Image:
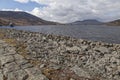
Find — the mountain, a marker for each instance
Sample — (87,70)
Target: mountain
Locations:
(114,23)
(21,19)
(87,22)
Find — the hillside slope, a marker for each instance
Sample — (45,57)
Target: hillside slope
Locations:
(115,22)
(87,22)
(21,19)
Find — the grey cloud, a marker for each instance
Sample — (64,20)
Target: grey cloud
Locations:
(72,10)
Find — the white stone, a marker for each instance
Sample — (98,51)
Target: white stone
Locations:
(80,72)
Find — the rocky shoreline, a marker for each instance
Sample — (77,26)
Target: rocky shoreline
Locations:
(28,55)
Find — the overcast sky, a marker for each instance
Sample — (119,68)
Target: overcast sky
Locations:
(66,10)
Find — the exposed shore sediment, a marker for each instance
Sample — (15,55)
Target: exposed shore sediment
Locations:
(28,55)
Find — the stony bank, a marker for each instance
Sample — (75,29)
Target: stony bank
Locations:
(28,55)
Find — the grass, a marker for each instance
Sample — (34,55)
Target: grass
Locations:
(34,62)
(50,73)
(2,35)
(10,41)
(21,48)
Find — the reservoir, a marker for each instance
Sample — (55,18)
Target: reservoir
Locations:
(109,34)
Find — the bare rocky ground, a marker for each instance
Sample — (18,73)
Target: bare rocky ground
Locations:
(35,56)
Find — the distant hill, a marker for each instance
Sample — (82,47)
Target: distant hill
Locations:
(21,19)
(114,23)
(87,22)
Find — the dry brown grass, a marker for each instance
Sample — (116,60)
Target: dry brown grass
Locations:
(34,62)
(10,41)
(63,74)
(1,35)
(21,48)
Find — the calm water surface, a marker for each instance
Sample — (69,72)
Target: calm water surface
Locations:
(110,34)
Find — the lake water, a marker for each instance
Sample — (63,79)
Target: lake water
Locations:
(110,34)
